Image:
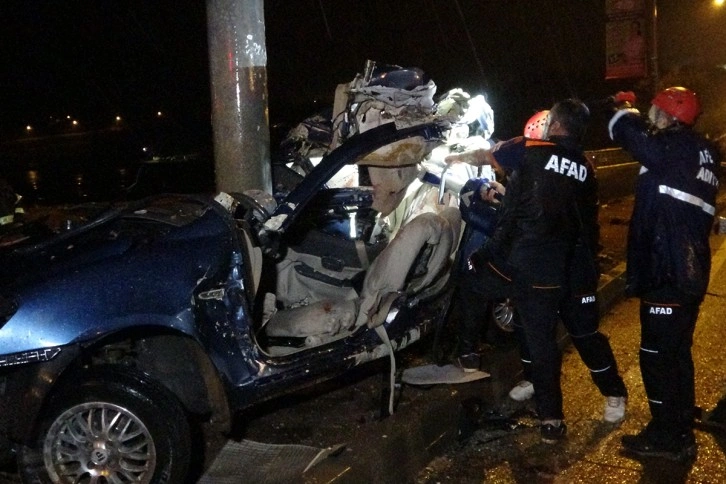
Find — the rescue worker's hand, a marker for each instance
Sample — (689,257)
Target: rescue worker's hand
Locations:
(476,262)
(497,145)
(493,192)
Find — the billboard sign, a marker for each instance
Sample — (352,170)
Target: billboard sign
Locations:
(626,47)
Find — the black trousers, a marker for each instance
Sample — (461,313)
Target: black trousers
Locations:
(574,302)
(473,320)
(475,293)
(666,363)
(580,317)
(538,310)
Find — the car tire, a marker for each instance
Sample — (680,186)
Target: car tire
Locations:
(109,421)
(502,313)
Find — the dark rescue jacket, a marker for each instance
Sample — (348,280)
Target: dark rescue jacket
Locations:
(550,206)
(675,204)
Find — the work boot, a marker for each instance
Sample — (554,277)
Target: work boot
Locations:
(469,363)
(679,449)
(524,390)
(552,431)
(614,409)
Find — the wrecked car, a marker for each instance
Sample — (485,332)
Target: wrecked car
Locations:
(124,337)
(379,94)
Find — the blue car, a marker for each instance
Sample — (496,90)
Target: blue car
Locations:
(156,320)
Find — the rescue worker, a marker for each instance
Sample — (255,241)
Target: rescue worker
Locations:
(524,390)
(545,246)
(668,258)
(580,316)
(479,200)
(479,211)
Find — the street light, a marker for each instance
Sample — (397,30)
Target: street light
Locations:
(656,73)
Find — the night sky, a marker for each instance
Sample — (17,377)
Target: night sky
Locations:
(95,59)
(522,59)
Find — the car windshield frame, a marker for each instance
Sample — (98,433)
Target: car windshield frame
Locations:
(350,153)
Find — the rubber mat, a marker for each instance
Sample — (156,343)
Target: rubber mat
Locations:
(434,374)
(247,461)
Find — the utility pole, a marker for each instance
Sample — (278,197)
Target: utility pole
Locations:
(238,72)
(654,47)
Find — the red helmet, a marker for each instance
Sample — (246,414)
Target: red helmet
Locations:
(679,102)
(534,129)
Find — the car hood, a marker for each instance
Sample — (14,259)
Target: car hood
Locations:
(118,230)
(132,265)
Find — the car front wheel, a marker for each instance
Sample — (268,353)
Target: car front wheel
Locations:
(113,426)
(503,315)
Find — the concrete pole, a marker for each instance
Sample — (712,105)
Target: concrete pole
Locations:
(240,120)
(654,48)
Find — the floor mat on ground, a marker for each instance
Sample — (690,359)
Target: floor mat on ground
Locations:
(434,374)
(248,461)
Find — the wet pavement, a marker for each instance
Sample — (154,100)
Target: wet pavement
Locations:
(591,453)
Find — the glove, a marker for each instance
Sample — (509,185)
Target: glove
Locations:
(477,262)
(486,260)
(624,99)
(493,278)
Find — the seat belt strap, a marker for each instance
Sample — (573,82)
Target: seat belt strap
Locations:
(381,330)
(360,248)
